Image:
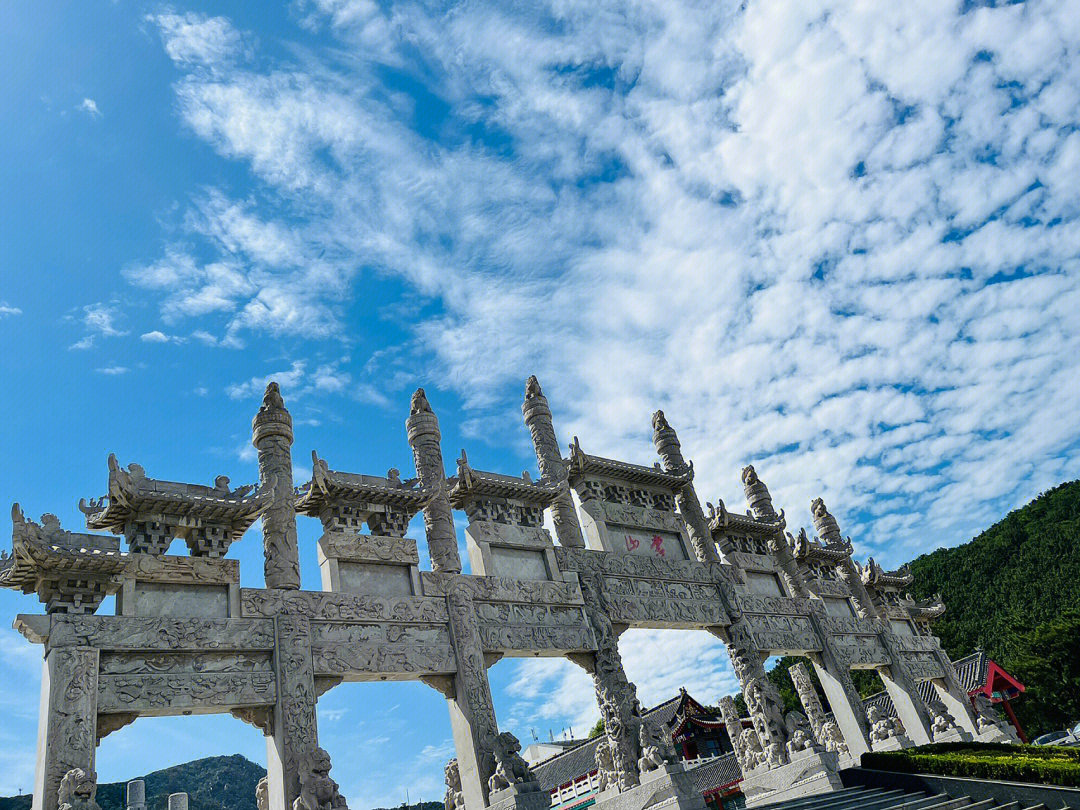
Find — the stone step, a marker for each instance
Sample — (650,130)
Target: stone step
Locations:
(884,802)
(923,803)
(985,804)
(881,799)
(950,803)
(818,799)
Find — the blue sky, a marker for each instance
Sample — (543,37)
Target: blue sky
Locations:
(836,240)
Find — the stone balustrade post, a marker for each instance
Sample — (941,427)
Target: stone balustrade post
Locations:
(136,795)
(178,801)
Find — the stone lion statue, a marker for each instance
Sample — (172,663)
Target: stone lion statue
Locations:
(77,790)
(510,768)
(317,790)
(262,795)
(655,745)
(832,738)
(986,717)
(800,736)
(453,800)
(882,727)
(941,722)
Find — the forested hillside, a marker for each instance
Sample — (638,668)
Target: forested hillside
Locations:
(1015,590)
(213,783)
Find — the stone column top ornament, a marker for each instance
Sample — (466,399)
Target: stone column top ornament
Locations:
(424,435)
(272,418)
(669,449)
(272,436)
(553,467)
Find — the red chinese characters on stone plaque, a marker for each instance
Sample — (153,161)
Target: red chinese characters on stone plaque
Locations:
(658,544)
(632,543)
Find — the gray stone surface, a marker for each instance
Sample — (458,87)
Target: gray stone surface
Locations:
(812,772)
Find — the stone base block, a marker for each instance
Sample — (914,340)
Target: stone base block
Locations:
(667,788)
(954,735)
(815,772)
(997,735)
(893,743)
(525,796)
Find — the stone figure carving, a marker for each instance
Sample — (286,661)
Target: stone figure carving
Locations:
(808,696)
(882,727)
(317,790)
(800,735)
(656,747)
(941,722)
(832,738)
(764,707)
(753,756)
(453,800)
(78,789)
(262,795)
(605,765)
(510,768)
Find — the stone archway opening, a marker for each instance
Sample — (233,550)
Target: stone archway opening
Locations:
(389,742)
(211,757)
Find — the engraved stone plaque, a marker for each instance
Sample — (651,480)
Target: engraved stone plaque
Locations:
(374,578)
(196,601)
(649,543)
(519,563)
(838,606)
(764,582)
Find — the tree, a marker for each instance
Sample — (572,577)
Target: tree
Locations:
(1047,661)
(597,729)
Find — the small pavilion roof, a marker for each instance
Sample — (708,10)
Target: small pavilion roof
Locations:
(131,493)
(471,484)
(327,486)
(809,550)
(721,521)
(38,548)
(582,465)
(874,575)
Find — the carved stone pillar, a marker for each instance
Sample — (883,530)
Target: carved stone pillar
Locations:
(808,696)
(552,467)
(136,795)
(847,707)
(829,531)
(178,801)
(295,734)
(906,699)
(272,435)
(472,713)
(732,724)
(616,696)
(424,437)
(67,724)
(760,502)
(670,451)
(763,701)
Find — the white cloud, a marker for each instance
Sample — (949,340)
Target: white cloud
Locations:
(837,242)
(90,107)
(7,310)
(194,39)
(113,371)
(154,337)
(289,380)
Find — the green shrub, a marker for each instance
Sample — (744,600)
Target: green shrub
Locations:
(1041,764)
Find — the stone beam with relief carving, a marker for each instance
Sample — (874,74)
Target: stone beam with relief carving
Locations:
(381,651)
(149,634)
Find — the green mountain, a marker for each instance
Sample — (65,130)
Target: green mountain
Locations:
(214,783)
(1014,590)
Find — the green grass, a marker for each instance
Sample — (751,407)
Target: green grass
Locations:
(1039,764)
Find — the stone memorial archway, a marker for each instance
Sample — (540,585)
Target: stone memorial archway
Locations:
(643,553)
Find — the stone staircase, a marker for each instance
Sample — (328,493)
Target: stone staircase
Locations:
(860,798)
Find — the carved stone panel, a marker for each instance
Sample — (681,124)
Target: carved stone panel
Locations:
(543,629)
(922,666)
(184,692)
(138,633)
(319,605)
(788,635)
(69,736)
(860,652)
(362,652)
(502,589)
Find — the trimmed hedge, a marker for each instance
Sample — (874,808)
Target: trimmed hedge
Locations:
(1039,764)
